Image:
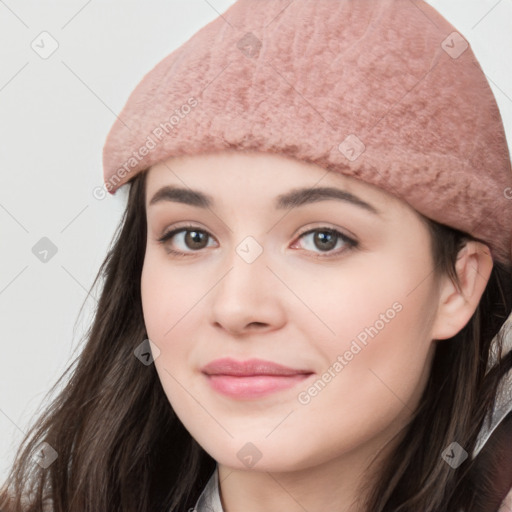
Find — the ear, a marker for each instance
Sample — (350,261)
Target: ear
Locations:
(457,305)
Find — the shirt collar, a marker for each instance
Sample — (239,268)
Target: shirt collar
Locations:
(209,499)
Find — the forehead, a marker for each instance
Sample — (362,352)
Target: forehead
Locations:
(262,175)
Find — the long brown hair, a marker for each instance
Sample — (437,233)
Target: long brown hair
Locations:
(121,447)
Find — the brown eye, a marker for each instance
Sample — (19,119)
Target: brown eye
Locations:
(184,241)
(195,239)
(324,240)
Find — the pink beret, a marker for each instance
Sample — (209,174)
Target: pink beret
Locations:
(385,91)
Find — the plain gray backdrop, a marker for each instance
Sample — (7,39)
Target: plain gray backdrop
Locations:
(55,113)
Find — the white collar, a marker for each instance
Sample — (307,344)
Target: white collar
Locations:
(209,500)
(502,407)
(503,402)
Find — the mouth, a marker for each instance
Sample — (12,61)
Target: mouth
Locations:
(251,379)
(254,386)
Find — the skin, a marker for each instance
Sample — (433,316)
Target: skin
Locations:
(293,307)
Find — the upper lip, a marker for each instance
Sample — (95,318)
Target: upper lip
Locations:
(228,366)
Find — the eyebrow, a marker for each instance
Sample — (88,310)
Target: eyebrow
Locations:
(292,199)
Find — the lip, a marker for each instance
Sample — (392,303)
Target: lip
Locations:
(253,378)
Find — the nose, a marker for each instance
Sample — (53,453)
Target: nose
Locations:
(248,298)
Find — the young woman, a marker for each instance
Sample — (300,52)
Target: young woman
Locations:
(304,306)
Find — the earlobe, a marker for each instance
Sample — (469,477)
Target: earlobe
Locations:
(458,303)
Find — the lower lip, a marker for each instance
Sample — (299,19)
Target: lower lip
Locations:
(253,386)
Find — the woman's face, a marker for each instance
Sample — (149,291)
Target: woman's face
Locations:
(291,264)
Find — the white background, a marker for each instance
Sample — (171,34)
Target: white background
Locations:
(54,116)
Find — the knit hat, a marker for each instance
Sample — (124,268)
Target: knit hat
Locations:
(385,91)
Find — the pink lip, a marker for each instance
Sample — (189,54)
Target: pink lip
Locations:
(251,379)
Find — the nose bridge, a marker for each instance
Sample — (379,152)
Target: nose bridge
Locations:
(245,294)
(248,274)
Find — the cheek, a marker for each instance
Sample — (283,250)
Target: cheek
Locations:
(164,302)
(377,357)
(171,303)
(382,297)
(166,296)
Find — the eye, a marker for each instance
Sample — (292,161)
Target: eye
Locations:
(186,237)
(327,239)
(192,239)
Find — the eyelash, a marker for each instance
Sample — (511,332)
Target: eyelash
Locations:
(350,242)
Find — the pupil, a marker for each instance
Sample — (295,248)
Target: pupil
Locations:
(194,237)
(324,236)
